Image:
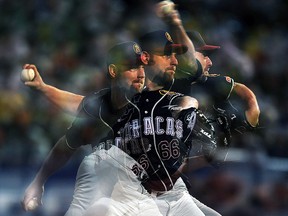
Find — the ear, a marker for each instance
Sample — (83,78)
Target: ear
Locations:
(145,57)
(112,69)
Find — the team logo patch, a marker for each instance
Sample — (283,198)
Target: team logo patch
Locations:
(136,48)
(190,119)
(228,79)
(168,37)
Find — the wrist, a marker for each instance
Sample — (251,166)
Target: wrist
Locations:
(44,88)
(252,123)
(38,180)
(175,24)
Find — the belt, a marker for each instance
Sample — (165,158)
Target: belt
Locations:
(156,193)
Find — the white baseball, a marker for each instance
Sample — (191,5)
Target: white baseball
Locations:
(27,75)
(167,8)
(32,204)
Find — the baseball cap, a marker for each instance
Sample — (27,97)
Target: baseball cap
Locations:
(127,54)
(199,42)
(160,43)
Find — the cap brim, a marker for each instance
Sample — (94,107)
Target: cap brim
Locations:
(177,48)
(207,47)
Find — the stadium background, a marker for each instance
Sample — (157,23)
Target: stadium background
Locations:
(67,40)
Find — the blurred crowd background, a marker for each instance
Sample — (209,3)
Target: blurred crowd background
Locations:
(67,40)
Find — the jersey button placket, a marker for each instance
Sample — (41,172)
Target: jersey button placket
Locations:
(147,101)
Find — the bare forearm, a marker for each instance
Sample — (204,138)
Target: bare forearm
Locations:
(252,110)
(179,35)
(57,158)
(187,62)
(67,101)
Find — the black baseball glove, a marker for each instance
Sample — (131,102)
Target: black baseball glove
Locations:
(231,122)
(198,133)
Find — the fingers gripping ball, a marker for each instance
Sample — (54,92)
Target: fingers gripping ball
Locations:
(27,75)
(32,204)
(165,8)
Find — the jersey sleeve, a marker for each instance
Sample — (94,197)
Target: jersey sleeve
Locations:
(220,87)
(183,85)
(82,129)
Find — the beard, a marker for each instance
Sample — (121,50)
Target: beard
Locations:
(163,79)
(134,89)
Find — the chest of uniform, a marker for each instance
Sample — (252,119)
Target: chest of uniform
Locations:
(149,116)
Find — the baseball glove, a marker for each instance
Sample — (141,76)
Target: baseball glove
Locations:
(232,122)
(203,136)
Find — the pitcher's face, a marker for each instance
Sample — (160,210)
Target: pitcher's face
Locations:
(132,79)
(162,69)
(205,62)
